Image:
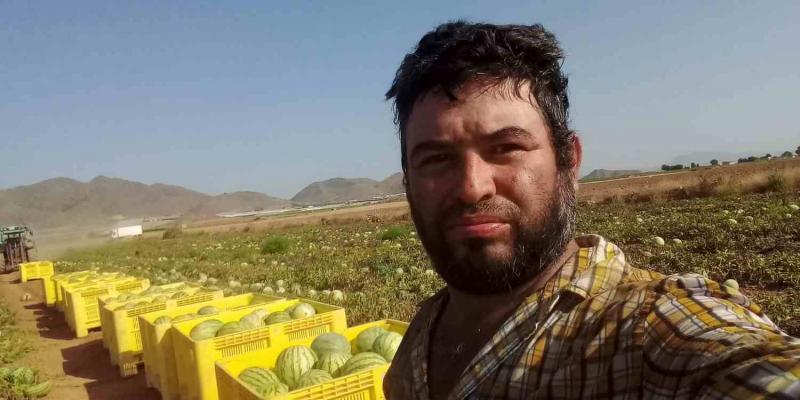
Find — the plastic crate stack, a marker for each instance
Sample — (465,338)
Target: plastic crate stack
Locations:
(137,328)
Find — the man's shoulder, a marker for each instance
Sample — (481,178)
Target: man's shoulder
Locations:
(670,299)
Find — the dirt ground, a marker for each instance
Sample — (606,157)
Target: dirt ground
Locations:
(79,368)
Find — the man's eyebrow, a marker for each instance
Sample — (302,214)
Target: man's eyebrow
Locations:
(430,145)
(507,132)
(500,134)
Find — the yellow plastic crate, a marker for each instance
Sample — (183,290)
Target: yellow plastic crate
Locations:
(195,359)
(362,385)
(52,287)
(85,278)
(106,316)
(35,270)
(82,282)
(82,311)
(157,345)
(123,329)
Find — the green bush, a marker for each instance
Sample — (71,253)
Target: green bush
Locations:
(394,232)
(275,244)
(776,183)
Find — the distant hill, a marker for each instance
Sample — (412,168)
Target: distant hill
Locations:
(609,174)
(340,190)
(64,201)
(393,184)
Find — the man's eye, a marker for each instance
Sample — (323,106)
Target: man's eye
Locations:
(505,148)
(435,159)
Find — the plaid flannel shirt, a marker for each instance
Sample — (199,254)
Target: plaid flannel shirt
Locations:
(604,329)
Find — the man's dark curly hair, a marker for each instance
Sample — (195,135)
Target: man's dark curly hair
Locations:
(457,52)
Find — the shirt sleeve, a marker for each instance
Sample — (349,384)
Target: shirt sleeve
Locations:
(703,340)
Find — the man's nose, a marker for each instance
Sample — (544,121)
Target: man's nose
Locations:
(476,181)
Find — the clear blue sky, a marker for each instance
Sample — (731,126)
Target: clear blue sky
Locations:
(221,96)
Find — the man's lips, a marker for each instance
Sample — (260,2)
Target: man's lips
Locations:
(478,226)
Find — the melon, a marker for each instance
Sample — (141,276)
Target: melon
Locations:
(160,298)
(272,389)
(313,377)
(276,317)
(366,338)
(206,329)
(255,377)
(208,310)
(183,317)
(23,376)
(179,295)
(293,362)
(262,313)
(302,310)
(362,362)
(332,362)
(252,321)
(230,328)
(162,320)
(330,342)
(38,390)
(387,344)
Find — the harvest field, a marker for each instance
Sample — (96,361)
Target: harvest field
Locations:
(379,270)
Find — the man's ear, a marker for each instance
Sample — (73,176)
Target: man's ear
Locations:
(577,158)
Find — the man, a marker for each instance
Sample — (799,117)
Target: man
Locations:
(530,311)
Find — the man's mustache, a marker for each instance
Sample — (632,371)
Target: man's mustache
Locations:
(491,208)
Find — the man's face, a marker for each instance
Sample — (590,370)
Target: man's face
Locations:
(491,207)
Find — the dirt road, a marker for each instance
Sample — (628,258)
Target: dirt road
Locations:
(79,368)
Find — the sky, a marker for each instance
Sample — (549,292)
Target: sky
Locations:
(272,95)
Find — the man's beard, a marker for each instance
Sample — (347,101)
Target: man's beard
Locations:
(539,240)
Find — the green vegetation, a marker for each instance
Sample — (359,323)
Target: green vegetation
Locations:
(381,271)
(395,232)
(16,382)
(12,342)
(275,244)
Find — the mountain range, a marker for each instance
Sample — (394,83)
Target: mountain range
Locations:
(339,190)
(67,202)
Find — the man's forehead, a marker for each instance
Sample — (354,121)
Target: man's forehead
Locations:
(474,108)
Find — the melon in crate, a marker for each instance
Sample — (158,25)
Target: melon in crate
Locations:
(361,362)
(365,339)
(332,362)
(387,344)
(313,377)
(206,329)
(293,362)
(330,342)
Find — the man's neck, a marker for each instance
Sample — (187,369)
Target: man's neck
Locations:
(471,308)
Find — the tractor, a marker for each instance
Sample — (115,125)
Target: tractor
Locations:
(16,243)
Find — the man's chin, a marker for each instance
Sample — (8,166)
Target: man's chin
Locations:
(483,255)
